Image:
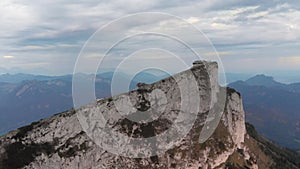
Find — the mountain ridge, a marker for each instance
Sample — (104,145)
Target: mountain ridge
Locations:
(22,95)
(62,142)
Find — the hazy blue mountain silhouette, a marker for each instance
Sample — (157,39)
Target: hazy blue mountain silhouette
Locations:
(17,78)
(25,98)
(263,80)
(273,108)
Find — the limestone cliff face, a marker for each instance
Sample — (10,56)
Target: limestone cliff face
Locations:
(66,140)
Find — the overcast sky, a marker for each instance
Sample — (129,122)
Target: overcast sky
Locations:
(254,36)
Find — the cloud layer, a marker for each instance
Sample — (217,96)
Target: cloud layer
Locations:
(46,37)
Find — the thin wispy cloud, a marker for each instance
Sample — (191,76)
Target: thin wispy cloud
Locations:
(8,57)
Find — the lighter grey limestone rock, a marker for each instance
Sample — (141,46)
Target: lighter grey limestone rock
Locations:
(71,148)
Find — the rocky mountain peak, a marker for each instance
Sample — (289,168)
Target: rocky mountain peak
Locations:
(183,121)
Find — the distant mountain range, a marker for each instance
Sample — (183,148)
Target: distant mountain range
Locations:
(283,77)
(17,78)
(273,108)
(25,98)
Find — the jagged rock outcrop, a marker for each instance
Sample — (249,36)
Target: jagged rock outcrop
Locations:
(68,140)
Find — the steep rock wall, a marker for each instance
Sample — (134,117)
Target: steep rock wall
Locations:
(64,140)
